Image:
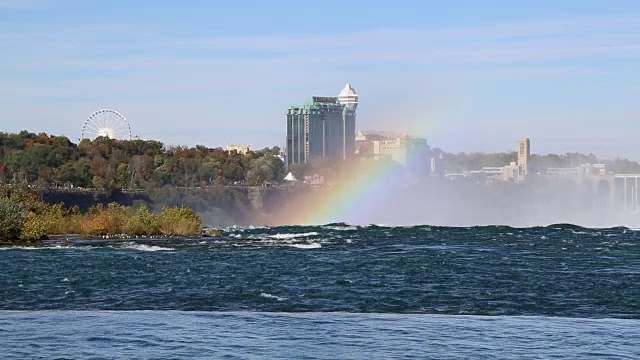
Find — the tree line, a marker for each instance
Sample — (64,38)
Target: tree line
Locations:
(107,164)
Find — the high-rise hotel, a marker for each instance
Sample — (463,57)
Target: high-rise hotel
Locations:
(323,127)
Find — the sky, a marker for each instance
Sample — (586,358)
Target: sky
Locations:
(467,75)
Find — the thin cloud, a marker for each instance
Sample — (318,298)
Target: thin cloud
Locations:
(451,56)
(117,47)
(548,30)
(27,4)
(55,75)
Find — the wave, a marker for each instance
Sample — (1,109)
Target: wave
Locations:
(287,236)
(132,246)
(56,247)
(306,246)
(343,234)
(340,227)
(143,247)
(274,297)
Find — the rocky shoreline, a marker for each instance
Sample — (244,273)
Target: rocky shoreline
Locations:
(45,241)
(22,243)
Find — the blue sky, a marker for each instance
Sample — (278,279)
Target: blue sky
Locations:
(468,75)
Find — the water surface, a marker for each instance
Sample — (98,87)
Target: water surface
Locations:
(334,291)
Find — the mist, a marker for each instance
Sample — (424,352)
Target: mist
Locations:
(517,205)
(440,201)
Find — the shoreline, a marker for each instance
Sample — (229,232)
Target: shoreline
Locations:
(53,239)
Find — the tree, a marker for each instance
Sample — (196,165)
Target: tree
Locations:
(122,178)
(16,208)
(260,171)
(141,169)
(12,217)
(76,173)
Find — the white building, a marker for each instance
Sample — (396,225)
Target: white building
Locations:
(348,97)
(524,155)
(511,172)
(580,171)
(240,149)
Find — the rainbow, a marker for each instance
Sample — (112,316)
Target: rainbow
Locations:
(352,198)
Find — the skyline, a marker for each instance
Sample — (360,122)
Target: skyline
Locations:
(468,78)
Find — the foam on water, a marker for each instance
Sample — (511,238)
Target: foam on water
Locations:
(52,247)
(340,227)
(144,247)
(306,246)
(293,236)
(270,296)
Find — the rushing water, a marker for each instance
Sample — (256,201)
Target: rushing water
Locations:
(334,291)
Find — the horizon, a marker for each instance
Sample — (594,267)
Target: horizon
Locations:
(254,149)
(468,78)
(222,147)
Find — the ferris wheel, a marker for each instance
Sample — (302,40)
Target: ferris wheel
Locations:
(108,123)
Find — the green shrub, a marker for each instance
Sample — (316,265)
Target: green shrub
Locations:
(12,217)
(101,221)
(55,220)
(143,223)
(179,221)
(34,228)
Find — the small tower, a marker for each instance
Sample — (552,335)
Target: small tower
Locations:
(348,97)
(524,155)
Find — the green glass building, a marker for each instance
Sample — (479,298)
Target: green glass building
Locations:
(321,128)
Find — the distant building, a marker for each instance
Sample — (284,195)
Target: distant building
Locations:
(456,176)
(241,149)
(412,152)
(577,172)
(598,169)
(321,128)
(364,140)
(315,180)
(348,97)
(511,172)
(437,163)
(434,166)
(524,155)
(515,171)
